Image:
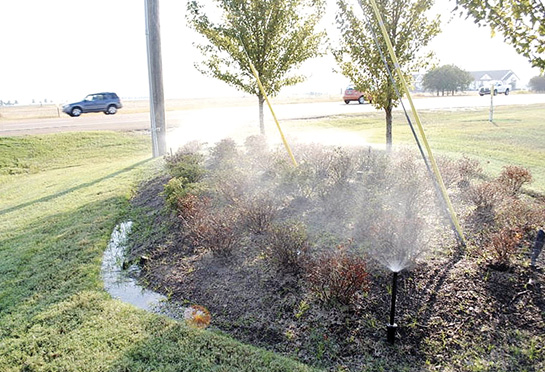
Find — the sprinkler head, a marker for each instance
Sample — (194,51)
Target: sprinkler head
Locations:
(538,247)
(392,329)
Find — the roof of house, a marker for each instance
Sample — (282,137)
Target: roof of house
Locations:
(492,75)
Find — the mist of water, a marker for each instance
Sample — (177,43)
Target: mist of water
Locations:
(382,203)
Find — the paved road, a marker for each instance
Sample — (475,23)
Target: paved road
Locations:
(214,123)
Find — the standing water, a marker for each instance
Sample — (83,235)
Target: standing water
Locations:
(118,281)
(121,285)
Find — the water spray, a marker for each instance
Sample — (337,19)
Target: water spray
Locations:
(392,327)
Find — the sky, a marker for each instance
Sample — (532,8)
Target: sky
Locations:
(61,50)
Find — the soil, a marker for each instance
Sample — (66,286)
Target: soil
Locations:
(454,312)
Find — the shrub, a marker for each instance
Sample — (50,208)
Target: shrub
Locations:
(213,230)
(258,213)
(485,197)
(449,171)
(223,153)
(513,178)
(186,166)
(468,169)
(177,189)
(503,246)
(337,276)
(341,168)
(287,245)
(458,172)
(229,185)
(256,145)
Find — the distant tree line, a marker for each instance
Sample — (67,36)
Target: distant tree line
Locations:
(8,103)
(537,83)
(447,79)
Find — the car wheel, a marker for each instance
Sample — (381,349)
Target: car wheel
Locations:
(76,111)
(111,110)
(346,101)
(361,100)
(495,92)
(507,92)
(481,94)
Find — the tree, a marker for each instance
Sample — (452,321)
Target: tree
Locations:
(522,23)
(275,35)
(447,78)
(537,83)
(359,58)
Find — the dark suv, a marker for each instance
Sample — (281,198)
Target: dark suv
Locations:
(105,102)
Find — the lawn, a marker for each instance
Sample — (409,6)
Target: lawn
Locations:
(60,197)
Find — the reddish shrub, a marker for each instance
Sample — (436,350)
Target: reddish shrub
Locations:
(503,246)
(210,229)
(458,172)
(513,178)
(485,196)
(337,276)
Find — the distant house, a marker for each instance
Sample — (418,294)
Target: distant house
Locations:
(485,78)
(418,83)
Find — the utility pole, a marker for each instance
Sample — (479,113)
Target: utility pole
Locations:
(155,72)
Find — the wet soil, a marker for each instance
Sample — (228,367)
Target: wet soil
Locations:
(454,313)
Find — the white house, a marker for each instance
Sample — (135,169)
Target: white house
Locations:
(485,78)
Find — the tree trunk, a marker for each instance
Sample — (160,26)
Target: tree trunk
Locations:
(261,100)
(388,111)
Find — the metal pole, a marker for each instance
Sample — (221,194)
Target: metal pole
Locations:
(491,114)
(155,75)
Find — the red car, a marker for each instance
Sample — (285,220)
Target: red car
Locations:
(351,94)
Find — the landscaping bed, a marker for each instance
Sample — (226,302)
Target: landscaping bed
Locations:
(299,259)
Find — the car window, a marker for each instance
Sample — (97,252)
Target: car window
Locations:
(89,98)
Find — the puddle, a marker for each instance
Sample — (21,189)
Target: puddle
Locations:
(121,284)
(118,282)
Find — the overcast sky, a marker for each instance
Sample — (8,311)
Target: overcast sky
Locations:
(64,49)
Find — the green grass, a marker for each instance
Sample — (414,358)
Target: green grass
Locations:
(60,197)
(516,137)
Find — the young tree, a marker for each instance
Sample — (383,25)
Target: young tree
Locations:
(522,23)
(360,60)
(276,35)
(447,78)
(537,83)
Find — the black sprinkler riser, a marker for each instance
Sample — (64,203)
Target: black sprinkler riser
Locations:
(392,327)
